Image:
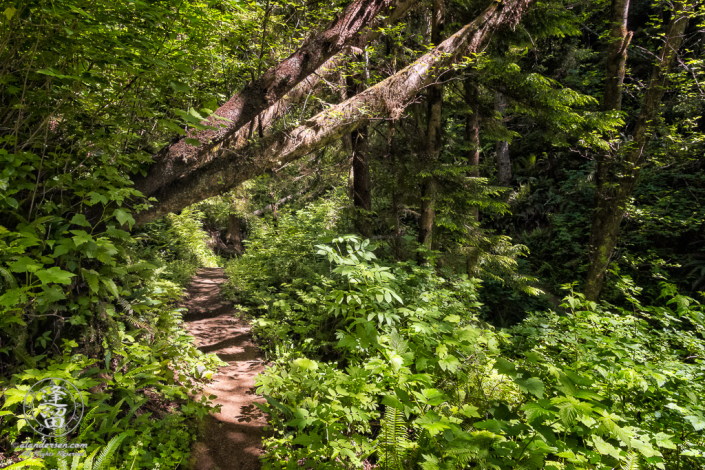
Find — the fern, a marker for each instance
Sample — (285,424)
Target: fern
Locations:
(29,463)
(108,452)
(393,440)
(88,464)
(632,462)
(132,320)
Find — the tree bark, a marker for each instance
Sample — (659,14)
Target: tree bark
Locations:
(472,138)
(362,186)
(504,164)
(618,173)
(472,133)
(616,55)
(429,185)
(179,158)
(386,99)
(234,235)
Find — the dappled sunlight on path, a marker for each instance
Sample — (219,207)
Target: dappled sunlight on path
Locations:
(231,439)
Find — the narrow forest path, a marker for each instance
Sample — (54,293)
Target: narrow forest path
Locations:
(231,439)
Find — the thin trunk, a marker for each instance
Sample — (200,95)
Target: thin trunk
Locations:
(504,164)
(391,151)
(179,158)
(472,133)
(616,55)
(472,138)
(617,174)
(429,185)
(388,98)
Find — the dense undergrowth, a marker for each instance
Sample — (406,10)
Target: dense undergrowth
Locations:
(384,362)
(136,368)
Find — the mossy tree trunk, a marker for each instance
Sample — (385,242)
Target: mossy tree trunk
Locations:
(386,99)
(617,172)
(429,185)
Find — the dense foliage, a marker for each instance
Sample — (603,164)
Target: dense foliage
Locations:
(385,361)
(416,283)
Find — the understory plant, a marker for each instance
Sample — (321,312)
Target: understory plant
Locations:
(386,363)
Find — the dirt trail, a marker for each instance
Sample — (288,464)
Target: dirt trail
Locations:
(231,439)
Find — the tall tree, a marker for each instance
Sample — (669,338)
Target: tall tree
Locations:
(617,172)
(433,136)
(504,164)
(472,137)
(362,185)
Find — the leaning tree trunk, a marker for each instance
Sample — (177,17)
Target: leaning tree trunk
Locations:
(429,185)
(618,173)
(386,99)
(181,157)
(504,164)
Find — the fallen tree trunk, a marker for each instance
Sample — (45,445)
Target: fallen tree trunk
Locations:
(386,99)
(180,157)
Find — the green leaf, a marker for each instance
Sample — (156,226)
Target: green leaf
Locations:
(179,86)
(123,217)
(52,294)
(80,219)
(173,126)
(110,284)
(81,237)
(697,421)
(194,142)
(305,364)
(54,274)
(604,448)
(432,422)
(532,385)
(24,264)
(9,12)
(470,411)
(503,366)
(537,410)
(196,114)
(392,401)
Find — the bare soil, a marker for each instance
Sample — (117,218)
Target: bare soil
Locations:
(231,439)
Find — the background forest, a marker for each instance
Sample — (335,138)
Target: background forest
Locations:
(467,234)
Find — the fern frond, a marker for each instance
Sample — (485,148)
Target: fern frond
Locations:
(29,463)
(110,419)
(76,461)
(393,440)
(632,462)
(88,464)
(63,462)
(109,451)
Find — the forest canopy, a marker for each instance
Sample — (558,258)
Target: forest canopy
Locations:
(464,234)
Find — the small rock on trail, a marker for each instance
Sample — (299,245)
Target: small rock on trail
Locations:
(231,439)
